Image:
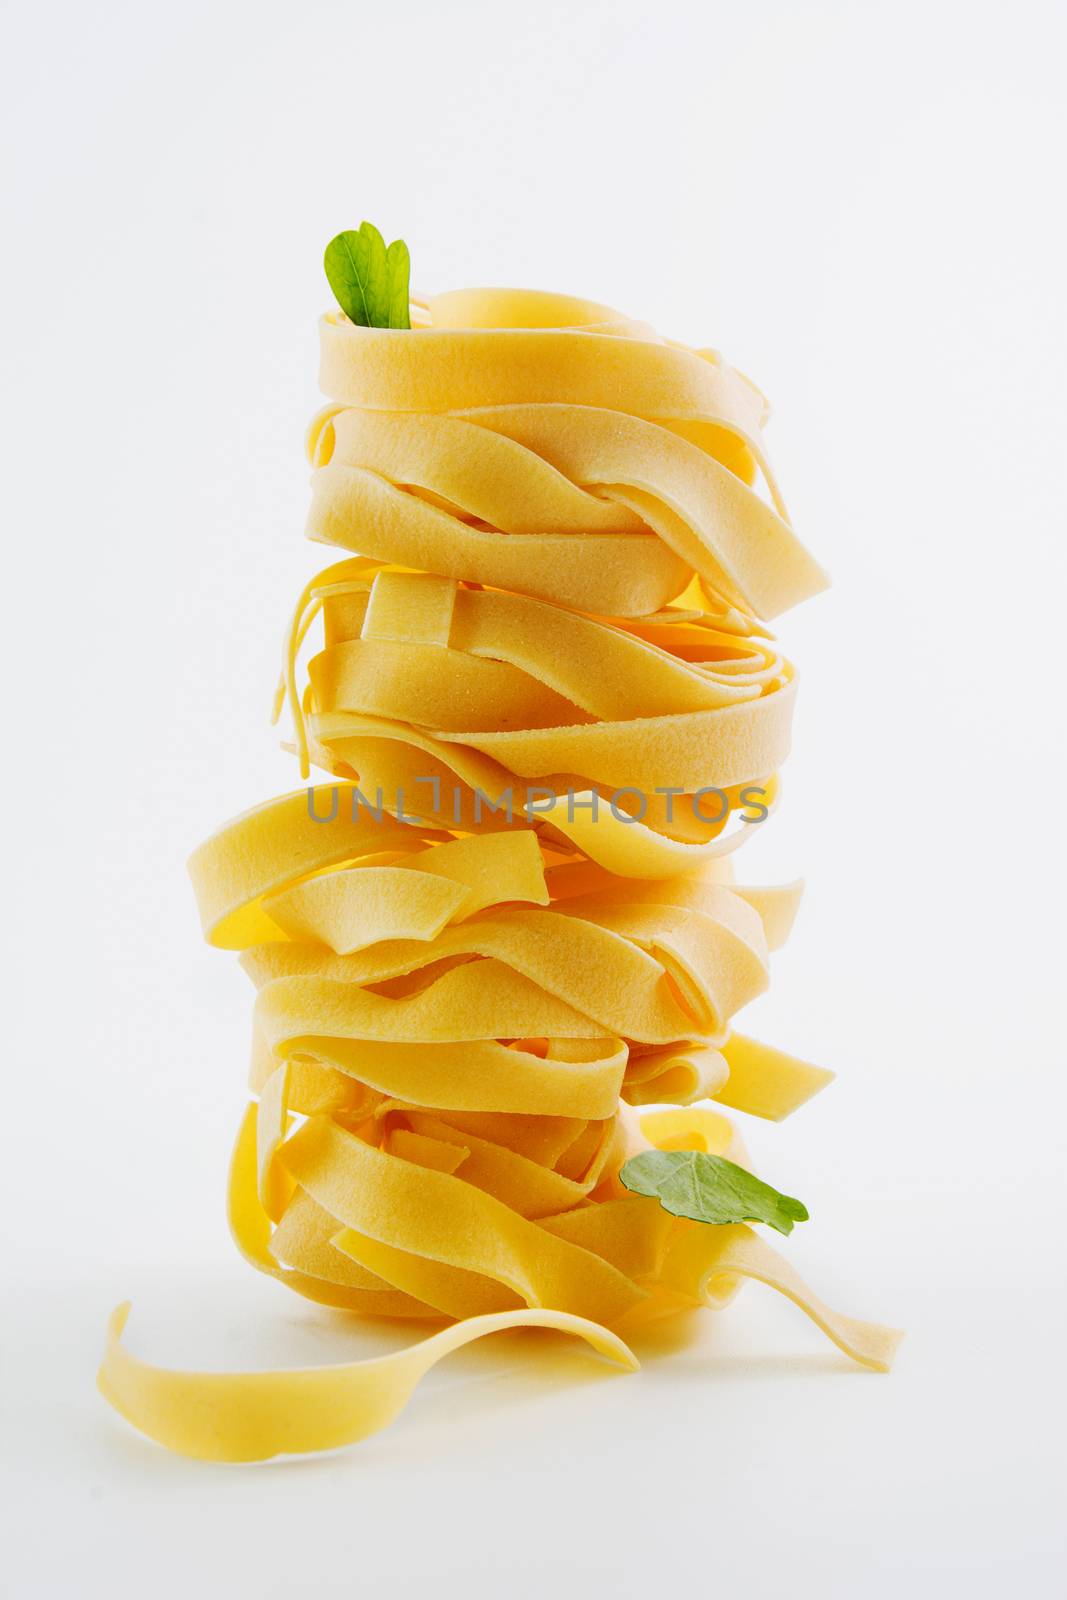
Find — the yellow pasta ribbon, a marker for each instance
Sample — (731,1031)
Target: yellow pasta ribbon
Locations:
(252,1416)
(549,710)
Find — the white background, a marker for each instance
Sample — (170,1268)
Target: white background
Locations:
(862,205)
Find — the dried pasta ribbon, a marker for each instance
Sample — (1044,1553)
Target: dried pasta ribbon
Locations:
(489,1278)
(252,1416)
(542,691)
(507,925)
(462,1089)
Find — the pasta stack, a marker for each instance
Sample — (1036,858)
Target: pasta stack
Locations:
(549,709)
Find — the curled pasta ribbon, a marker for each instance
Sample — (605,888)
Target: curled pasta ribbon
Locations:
(637,745)
(508,926)
(501,420)
(252,1416)
(458,1090)
(584,464)
(257,1415)
(542,691)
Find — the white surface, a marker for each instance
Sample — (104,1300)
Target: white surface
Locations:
(859,205)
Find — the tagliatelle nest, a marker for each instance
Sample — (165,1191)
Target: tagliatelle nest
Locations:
(548,705)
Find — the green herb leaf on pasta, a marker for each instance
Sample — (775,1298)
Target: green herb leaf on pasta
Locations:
(370,279)
(707,1188)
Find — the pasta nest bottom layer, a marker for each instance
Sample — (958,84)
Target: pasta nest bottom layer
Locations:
(457,1041)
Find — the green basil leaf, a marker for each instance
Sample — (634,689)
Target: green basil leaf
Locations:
(398,276)
(707,1188)
(369,281)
